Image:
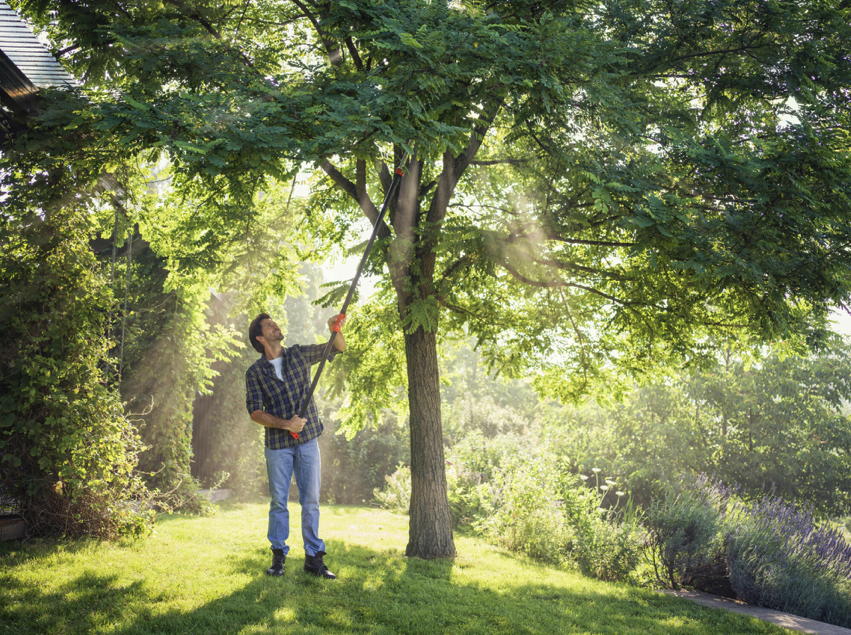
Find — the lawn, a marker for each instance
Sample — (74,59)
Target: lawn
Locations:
(206,575)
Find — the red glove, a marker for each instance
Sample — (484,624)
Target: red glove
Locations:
(339,321)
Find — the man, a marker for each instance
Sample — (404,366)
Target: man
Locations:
(276,385)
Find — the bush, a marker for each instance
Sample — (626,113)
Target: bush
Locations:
(471,466)
(611,551)
(539,509)
(396,496)
(684,527)
(524,510)
(529,505)
(768,553)
(781,558)
(67,452)
(353,468)
(608,541)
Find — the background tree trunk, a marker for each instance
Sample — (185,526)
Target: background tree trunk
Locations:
(430,532)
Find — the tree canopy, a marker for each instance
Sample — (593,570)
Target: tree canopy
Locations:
(591,187)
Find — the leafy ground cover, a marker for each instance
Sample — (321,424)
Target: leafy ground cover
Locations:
(205,575)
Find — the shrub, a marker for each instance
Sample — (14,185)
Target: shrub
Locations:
(471,466)
(524,510)
(396,495)
(684,528)
(353,468)
(527,503)
(608,541)
(468,493)
(541,510)
(780,557)
(611,552)
(67,451)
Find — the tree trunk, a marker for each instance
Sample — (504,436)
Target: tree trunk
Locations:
(430,531)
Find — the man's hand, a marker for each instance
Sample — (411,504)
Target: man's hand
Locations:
(335,324)
(270,421)
(338,320)
(293,425)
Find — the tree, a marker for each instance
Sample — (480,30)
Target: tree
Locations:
(772,423)
(589,186)
(779,424)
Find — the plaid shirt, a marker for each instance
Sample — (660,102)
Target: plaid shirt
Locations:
(282,399)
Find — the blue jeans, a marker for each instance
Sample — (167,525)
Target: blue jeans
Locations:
(305,463)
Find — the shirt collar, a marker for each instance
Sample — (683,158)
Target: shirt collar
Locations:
(269,361)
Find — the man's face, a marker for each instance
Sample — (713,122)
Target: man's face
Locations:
(271,332)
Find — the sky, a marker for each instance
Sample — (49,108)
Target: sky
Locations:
(842,322)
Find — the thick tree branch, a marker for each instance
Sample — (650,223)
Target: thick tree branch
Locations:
(365,203)
(454,167)
(407,208)
(342,182)
(360,179)
(353,51)
(476,140)
(426,187)
(384,176)
(330,46)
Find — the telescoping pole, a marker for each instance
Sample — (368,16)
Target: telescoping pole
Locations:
(394,185)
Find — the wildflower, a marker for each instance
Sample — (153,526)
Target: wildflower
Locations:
(596,470)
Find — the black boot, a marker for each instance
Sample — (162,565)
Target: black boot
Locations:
(316,566)
(278,560)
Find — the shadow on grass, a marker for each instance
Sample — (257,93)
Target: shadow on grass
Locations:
(379,592)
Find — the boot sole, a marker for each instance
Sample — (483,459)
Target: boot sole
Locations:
(319,574)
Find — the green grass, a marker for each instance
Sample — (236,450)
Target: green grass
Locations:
(206,575)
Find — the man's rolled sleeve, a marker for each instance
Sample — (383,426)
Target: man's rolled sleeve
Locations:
(313,353)
(253,391)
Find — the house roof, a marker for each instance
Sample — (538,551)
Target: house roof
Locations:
(25,64)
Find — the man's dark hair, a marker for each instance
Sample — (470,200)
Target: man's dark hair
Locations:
(255,329)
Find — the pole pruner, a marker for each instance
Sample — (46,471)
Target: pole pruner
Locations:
(394,185)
